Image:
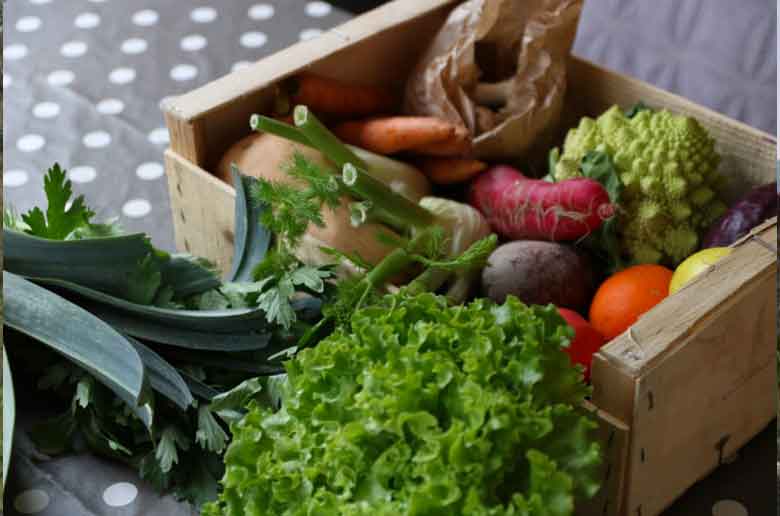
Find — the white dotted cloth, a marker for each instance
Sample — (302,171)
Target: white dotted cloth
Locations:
(83,81)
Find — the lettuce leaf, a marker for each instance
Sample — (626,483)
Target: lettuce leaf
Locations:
(421,408)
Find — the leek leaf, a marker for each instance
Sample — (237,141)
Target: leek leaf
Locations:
(252,239)
(163,377)
(9,417)
(75,333)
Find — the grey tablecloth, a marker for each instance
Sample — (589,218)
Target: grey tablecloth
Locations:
(82,81)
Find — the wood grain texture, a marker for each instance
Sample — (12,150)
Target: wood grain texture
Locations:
(203,211)
(614,438)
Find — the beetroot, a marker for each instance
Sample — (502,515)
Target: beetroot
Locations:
(538,273)
(747,213)
(518,207)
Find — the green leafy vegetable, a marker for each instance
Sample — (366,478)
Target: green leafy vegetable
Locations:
(251,239)
(9,417)
(421,408)
(59,221)
(605,241)
(76,334)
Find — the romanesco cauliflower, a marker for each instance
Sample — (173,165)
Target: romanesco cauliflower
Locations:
(668,166)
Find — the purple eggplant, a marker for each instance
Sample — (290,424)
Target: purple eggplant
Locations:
(750,211)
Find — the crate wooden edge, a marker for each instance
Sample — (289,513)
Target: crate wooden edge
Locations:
(184,113)
(730,404)
(629,83)
(211,215)
(614,436)
(650,337)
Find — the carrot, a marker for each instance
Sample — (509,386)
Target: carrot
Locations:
(389,135)
(518,207)
(446,171)
(332,97)
(459,144)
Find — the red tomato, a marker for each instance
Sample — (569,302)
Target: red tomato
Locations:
(586,340)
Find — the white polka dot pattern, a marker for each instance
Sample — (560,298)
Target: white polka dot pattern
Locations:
(60,77)
(203,15)
(30,143)
(318,9)
(110,106)
(15,51)
(136,208)
(82,174)
(183,72)
(73,49)
(261,11)
(159,136)
(122,75)
(32,501)
(253,39)
(46,110)
(96,139)
(87,21)
(150,171)
(146,18)
(28,24)
(15,178)
(134,46)
(193,43)
(120,494)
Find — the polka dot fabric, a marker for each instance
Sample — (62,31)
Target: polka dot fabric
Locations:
(83,81)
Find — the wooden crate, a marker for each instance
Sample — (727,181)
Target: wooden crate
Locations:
(692,381)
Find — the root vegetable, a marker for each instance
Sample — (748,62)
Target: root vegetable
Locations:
(518,207)
(446,171)
(396,133)
(459,144)
(538,273)
(329,96)
(264,155)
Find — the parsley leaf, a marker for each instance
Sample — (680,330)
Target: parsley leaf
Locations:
(144,281)
(275,301)
(167,452)
(210,436)
(59,221)
(292,209)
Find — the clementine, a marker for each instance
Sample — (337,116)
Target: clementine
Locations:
(626,295)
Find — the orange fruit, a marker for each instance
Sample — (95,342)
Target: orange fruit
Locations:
(626,295)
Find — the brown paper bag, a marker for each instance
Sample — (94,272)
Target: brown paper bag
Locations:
(499,68)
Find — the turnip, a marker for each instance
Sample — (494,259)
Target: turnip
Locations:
(538,273)
(517,207)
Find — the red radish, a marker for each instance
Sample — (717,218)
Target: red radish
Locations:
(586,340)
(518,207)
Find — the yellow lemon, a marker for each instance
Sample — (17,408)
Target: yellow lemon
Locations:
(694,265)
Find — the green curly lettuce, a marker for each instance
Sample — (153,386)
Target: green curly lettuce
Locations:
(421,408)
(667,164)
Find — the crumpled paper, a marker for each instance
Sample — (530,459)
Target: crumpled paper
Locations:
(498,67)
